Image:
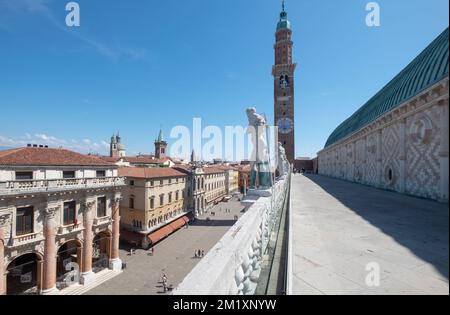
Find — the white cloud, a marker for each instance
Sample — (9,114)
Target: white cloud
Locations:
(83,146)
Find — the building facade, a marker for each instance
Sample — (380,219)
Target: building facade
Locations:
(58,217)
(399,140)
(283,73)
(153,199)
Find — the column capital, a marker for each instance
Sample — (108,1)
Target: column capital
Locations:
(50,212)
(116,201)
(5,219)
(88,206)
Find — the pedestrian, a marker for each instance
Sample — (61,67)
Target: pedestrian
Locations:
(199,253)
(203,253)
(195,254)
(165,287)
(164,279)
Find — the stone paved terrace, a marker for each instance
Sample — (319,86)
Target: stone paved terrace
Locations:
(340,227)
(174,256)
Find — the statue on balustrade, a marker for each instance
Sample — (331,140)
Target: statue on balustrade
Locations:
(260,176)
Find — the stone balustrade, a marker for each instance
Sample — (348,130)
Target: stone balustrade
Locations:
(102,220)
(233,265)
(26,239)
(36,186)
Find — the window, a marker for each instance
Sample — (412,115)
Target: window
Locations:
(161,200)
(170,180)
(170,197)
(177,196)
(24,175)
(152,183)
(101,173)
(152,202)
(69,216)
(24,221)
(161,182)
(68,174)
(101,207)
(131,182)
(132,203)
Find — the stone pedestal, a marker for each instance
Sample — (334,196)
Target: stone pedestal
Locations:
(87,277)
(115,264)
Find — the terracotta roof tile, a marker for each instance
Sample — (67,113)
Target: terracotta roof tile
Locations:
(143,172)
(49,157)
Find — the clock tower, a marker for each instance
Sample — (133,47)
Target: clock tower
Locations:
(283,73)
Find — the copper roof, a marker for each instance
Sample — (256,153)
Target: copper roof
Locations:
(49,157)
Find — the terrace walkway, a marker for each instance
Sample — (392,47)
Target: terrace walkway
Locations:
(340,227)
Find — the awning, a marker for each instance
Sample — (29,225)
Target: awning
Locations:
(178,223)
(160,234)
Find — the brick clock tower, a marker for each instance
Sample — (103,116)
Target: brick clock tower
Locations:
(283,73)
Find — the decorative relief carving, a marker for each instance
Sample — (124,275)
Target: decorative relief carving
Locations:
(50,212)
(421,130)
(5,219)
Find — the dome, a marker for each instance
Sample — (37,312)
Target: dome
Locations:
(284,22)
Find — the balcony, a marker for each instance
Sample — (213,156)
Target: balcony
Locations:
(102,220)
(26,239)
(67,229)
(11,188)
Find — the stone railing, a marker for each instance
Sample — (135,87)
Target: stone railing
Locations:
(102,220)
(66,229)
(234,264)
(26,239)
(37,186)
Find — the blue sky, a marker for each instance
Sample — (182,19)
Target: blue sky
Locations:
(134,66)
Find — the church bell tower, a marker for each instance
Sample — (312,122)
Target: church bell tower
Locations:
(283,73)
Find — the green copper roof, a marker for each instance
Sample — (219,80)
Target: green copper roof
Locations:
(284,22)
(425,70)
(160,136)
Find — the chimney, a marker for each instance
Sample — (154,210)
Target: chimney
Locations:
(35,145)
(29,145)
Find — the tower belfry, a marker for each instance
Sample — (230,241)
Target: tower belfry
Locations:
(283,73)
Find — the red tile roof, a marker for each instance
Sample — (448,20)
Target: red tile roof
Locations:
(49,157)
(143,159)
(143,172)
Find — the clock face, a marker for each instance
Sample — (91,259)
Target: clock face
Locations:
(285,125)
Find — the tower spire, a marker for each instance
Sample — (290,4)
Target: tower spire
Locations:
(282,5)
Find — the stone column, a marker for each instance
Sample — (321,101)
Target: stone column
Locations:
(444,151)
(87,275)
(50,252)
(115,261)
(402,156)
(5,221)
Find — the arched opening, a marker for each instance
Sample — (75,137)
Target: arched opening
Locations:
(101,249)
(23,275)
(68,259)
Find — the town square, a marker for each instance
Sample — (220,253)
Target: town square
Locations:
(226,148)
